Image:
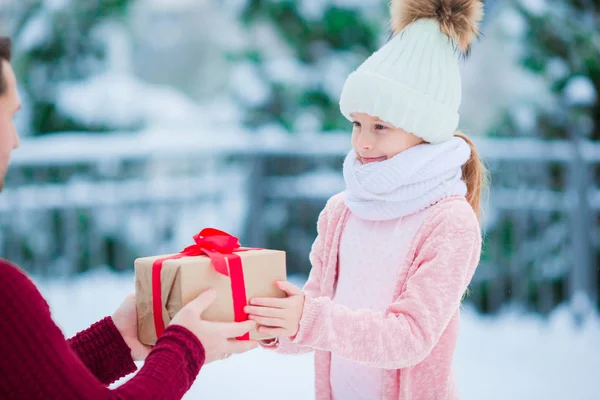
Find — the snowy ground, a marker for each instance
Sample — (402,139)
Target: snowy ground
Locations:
(508,357)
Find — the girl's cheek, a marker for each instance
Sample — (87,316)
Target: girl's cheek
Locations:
(354,140)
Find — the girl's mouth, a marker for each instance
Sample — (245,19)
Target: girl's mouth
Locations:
(368,160)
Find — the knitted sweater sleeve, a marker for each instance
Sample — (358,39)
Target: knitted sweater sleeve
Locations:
(102,350)
(38,363)
(447,254)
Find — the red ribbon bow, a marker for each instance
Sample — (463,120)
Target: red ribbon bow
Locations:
(219,246)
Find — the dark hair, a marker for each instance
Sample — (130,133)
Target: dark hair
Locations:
(5,54)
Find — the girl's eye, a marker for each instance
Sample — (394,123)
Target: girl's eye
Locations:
(356,124)
(380,127)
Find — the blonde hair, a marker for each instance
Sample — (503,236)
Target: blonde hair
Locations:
(475,175)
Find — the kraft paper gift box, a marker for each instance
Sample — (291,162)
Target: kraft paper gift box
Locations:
(215,261)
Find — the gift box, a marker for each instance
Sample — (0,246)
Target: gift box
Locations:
(164,284)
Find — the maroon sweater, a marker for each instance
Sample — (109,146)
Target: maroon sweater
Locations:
(36,362)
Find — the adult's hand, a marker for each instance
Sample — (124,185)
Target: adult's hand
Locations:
(125,319)
(218,338)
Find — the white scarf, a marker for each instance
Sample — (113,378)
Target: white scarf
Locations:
(406,183)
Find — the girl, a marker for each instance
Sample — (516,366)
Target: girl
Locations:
(396,251)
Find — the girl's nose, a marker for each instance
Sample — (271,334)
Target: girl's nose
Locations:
(365,143)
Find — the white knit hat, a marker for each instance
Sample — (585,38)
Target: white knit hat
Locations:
(413,81)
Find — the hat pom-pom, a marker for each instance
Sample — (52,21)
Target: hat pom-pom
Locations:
(458,19)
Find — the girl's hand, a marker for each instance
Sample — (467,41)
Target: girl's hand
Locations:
(278,317)
(125,319)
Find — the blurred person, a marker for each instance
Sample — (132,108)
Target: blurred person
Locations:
(38,363)
(395,252)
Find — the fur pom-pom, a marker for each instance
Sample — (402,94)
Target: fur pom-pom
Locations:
(458,19)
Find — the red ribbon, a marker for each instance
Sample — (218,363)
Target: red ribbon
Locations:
(219,246)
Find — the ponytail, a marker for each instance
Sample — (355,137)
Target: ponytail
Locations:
(475,176)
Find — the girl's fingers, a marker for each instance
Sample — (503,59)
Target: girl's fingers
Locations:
(275,332)
(264,311)
(268,302)
(288,288)
(271,322)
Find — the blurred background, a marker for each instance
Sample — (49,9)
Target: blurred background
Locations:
(145,121)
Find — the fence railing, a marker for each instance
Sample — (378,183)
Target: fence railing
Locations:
(74,202)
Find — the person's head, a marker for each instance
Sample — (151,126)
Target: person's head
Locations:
(409,91)
(9,105)
(374,140)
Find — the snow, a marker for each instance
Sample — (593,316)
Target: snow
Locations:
(536,7)
(118,46)
(581,304)
(485,100)
(236,7)
(513,22)
(23,118)
(334,70)
(36,32)
(272,42)
(313,10)
(309,119)
(515,357)
(362,5)
(525,117)
(557,68)
(56,5)
(80,147)
(247,83)
(113,99)
(289,70)
(169,5)
(314,185)
(510,356)
(111,96)
(580,91)
(224,113)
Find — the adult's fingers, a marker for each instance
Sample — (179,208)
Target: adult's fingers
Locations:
(240,346)
(202,301)
(234,329)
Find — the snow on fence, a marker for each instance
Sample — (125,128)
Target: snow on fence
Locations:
(72,202)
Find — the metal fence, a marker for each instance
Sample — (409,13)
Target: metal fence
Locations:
(75,202)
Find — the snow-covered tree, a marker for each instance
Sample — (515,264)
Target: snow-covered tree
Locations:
(559,50)
(296,57)
(60,42)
